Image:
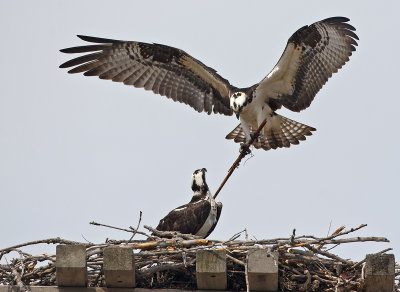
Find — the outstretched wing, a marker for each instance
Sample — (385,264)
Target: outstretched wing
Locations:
(165,70)
(312,55)
(186,219)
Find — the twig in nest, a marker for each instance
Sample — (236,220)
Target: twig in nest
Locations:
(336,245)
(293,236)
(118,228)
(164,267)
(86,239)
(325,253)
(329,228)
(337,231)
(184,259)
(304,286)
(137,227)
(48,241)
(236,235)
(17,276)
(171,234)
(330,239)
(99,275)
(243,152)
(109,226)
(235,260)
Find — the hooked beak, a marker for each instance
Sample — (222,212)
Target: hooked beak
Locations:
(204,170)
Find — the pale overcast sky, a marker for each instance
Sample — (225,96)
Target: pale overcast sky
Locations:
(75,149)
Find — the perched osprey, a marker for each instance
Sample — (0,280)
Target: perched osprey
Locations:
(199,216)
(312,54)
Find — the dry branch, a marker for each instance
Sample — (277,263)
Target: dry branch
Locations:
(56,240)
(304,262)
(17,278)
(245,149)
(135,231)
(171,234)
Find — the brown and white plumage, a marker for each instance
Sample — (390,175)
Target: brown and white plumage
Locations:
(313,53)
(277,133)
(165,70)
(199,216)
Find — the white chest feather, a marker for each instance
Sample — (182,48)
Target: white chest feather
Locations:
(253,115)
(211,219)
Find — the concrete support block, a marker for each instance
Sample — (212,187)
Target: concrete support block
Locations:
(211,270)
(379,273)
(71,265)
(262,269)
(119,267)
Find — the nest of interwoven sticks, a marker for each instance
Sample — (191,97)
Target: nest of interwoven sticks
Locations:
(168,260)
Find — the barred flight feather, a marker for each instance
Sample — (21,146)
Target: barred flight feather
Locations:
(272,137)
(164,70)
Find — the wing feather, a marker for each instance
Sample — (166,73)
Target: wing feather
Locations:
(150,81)
(165,70)
(186,219)
(279,132)
(81,60)
(85,67)
(312,55)
(83,49)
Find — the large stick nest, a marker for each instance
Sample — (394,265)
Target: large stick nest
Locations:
(168,260)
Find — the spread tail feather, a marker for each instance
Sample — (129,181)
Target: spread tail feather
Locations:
(277,133)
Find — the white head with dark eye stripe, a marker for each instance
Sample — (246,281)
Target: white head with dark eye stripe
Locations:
(237,102)
(199,184)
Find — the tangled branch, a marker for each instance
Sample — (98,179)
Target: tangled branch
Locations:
(167,260)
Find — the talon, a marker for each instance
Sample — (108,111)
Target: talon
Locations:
(244,148)
(258,139)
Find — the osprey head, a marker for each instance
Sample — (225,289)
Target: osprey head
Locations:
(238,101)
(199,180)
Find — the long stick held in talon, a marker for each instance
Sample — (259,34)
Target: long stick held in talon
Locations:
(245,149)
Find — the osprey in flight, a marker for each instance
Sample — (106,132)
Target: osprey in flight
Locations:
(313,53)
(199,216)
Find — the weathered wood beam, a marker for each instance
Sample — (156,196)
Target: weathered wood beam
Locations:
(71,269)
(211,270)
(262,269)
(119,267)
(379,273)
